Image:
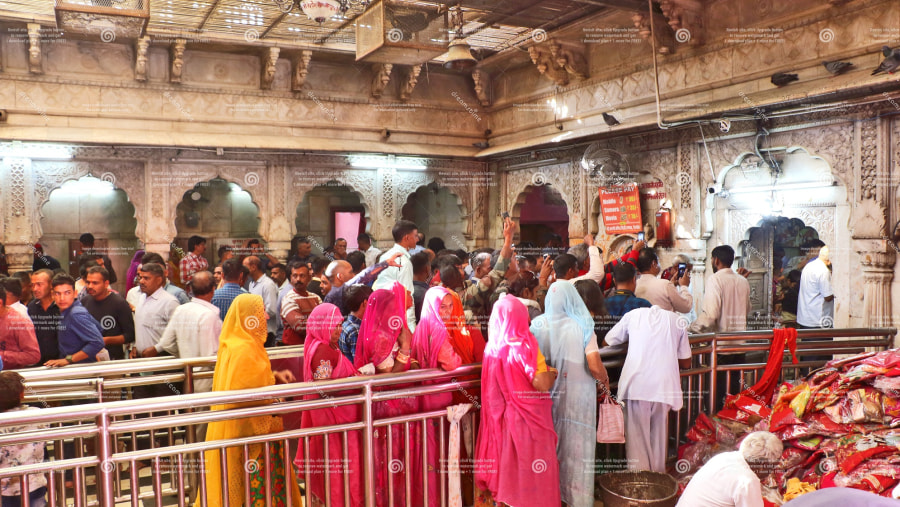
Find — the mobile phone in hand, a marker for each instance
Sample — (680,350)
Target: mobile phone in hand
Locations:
(681,269)
(640,236)
(505,215)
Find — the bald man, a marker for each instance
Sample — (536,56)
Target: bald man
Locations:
(194,328)
(340,274)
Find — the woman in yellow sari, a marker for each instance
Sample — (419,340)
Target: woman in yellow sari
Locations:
(242,363)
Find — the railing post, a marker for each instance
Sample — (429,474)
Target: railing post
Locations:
(369,448)
(107,469)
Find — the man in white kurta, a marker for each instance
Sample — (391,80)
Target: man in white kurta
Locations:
(815,306)
(650,383)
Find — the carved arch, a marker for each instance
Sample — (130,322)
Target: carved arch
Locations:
(125,176)
(343,178)
(410,182)
(253,181)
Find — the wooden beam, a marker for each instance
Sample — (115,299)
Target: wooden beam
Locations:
(273,25)
(625,5)
(209,13)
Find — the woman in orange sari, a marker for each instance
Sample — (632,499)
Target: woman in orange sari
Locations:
(243,363)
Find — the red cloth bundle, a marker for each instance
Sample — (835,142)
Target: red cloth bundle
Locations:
(849,457)
(769,379)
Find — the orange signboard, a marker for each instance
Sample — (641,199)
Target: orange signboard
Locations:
(621,209)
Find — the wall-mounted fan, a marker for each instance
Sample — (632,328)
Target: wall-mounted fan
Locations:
(607,166)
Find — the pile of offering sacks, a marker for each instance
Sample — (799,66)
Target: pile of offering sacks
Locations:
(840,427)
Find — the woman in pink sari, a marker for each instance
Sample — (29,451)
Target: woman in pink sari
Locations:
(322,360)
(441,340)
(516,450)
(383,346)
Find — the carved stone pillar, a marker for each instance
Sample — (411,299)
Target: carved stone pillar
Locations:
(18,212)
(385,214)
(160,228)
(278,232)
(877,258)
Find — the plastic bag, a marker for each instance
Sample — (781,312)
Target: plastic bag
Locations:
(611,422)
(865,406)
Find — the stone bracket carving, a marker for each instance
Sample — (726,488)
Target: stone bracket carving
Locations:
(382,76)
(482,87)
(140,59)
(685,19)
(301,69)
(559,63)
(177,56)
(35,59)
(410,83)
(868,220)
(664,37)
(269,59)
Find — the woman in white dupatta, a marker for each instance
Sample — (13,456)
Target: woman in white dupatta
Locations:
(565,335)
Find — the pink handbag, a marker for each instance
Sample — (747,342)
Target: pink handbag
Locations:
(610,422)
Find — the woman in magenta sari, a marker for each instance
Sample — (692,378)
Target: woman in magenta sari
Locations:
(442,340)
(383,346)
(515,458)
(322,360)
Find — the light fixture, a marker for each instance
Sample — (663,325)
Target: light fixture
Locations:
(459,54)
(87,185)
(387,162)
(319,11)
(807,185)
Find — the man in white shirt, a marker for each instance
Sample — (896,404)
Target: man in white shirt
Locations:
(153,310)
(365,246)
(263,286)
(672,295)
(194,328)
(650,383)
(726,304)
(405,235)
(815,306)
(732,479)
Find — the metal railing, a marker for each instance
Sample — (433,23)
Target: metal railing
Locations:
(112,430)
(103,381)
(699,383)
(176,473)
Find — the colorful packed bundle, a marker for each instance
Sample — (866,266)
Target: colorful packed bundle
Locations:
(840,427)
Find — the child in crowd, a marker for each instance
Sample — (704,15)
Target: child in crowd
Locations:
(12,391)
(356,299)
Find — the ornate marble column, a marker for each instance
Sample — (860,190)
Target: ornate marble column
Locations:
(17,198)
(277,232)
(877,257)
(159,231)
(386,212)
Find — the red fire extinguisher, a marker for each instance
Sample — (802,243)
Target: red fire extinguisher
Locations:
(663,228)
